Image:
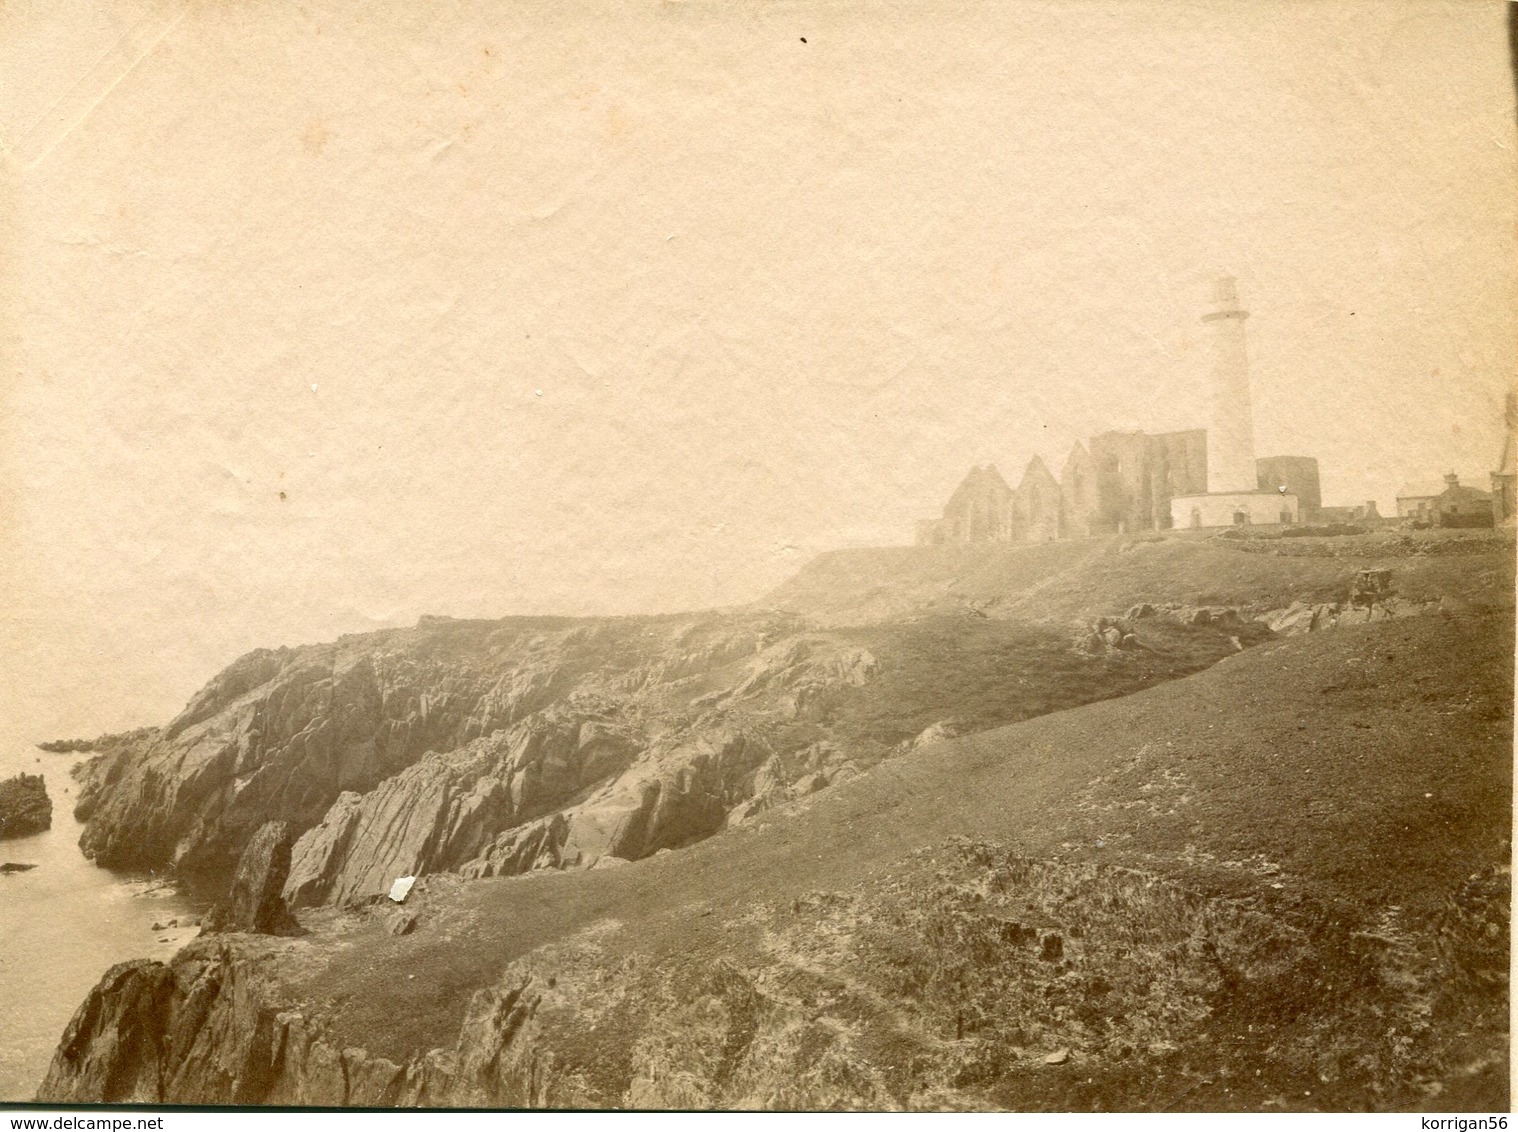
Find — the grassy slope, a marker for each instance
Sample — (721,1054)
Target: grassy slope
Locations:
(1091,577)
(980,672)
(1371,764)
(1207,571)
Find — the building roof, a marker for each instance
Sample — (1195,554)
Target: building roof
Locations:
(1449,492)
(1461,494)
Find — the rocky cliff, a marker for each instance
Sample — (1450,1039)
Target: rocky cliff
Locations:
(1195,914)
(255,900)
(405,748)
(213,1026)
(494,748)
(1282,865)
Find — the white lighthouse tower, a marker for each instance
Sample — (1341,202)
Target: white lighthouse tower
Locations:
(1230,435)
(1233,497)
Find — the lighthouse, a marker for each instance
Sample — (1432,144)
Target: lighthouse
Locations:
(1234,495)
(1230,435)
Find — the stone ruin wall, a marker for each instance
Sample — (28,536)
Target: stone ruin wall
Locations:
(1121,482)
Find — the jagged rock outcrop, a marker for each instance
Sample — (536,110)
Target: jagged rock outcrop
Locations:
(774,785)
(283,733)
(536,845)
(113,1050)
(480,810)
(255,901)
(210,1028)
(1106,635)
(24,806)
(1315,617)
(674,796)
(1302,617)
(279,735)
(938,732)
(447,809)
(795,670)
(1288,621)
(676,793)
(486,747)
(149,1032)
(1218,616)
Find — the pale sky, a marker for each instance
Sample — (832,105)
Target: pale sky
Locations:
(317,320)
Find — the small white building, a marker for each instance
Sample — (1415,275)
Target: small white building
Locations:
(1233,509)
(1417,501)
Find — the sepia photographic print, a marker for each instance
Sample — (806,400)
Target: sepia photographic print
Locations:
(791,555)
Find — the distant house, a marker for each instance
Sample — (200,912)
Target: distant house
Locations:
(1416,501)
(1452,505)
(1459,506)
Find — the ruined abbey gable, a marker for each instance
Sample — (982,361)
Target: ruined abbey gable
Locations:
(1120,481)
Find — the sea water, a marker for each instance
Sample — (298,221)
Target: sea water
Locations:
(64,922)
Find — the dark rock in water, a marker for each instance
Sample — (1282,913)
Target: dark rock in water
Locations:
(255,902)
(15,867)
(24,806)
